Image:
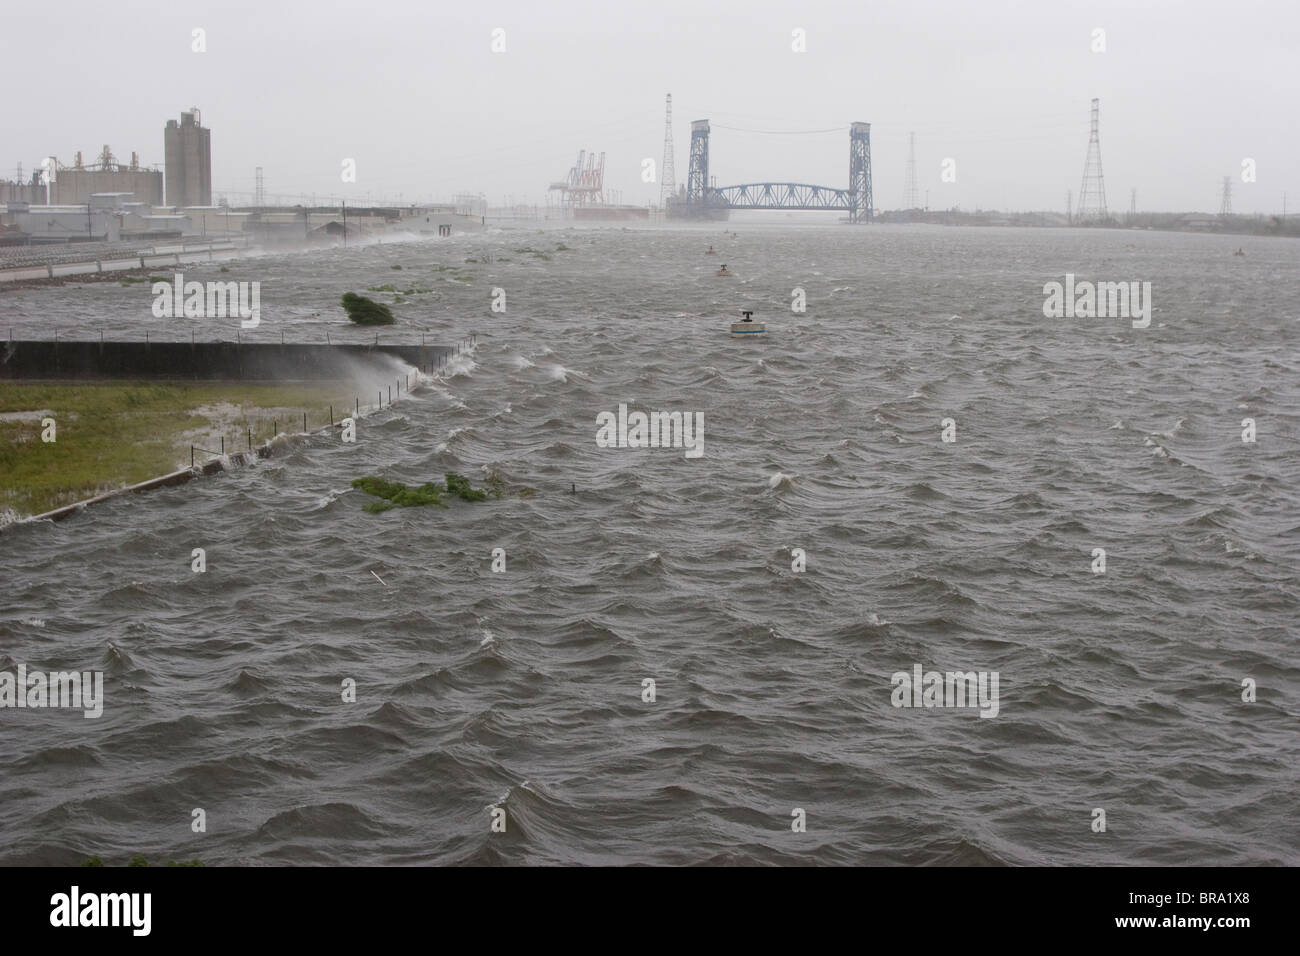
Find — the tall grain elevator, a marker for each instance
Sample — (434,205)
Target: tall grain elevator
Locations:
(188,154)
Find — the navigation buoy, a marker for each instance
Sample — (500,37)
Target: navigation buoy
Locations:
(710,251)
(747,327)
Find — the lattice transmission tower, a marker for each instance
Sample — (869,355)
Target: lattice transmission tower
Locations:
(1225,201)
(667,175)
(1092,194)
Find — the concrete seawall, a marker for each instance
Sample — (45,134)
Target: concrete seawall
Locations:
(205,361)
(158,256)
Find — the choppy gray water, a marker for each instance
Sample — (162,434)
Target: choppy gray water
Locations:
(523,689)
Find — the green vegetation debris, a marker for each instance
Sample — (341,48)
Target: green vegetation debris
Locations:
(395,494)
(139,860)
(399,295)
(365,311)
(459,486)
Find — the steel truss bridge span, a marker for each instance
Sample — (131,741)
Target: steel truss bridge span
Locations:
(781,196)
(702,196)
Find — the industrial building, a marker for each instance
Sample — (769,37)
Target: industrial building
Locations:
(74,185)
(188,154)
(62,223)
(17,191)
(108,201)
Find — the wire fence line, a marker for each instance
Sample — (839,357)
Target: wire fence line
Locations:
(469,341)
(329,418)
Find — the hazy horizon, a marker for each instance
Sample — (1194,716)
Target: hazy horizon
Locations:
(425,108)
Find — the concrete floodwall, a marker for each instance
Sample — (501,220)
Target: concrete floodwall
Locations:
(60,264)
(205,361)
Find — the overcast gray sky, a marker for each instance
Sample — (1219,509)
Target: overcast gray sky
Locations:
(413,92)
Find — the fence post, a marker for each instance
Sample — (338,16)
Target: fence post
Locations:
(191,456)
(331,416)
(223,446)
(250,437)
(304,421)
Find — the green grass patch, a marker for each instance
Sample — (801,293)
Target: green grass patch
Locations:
(111,434)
